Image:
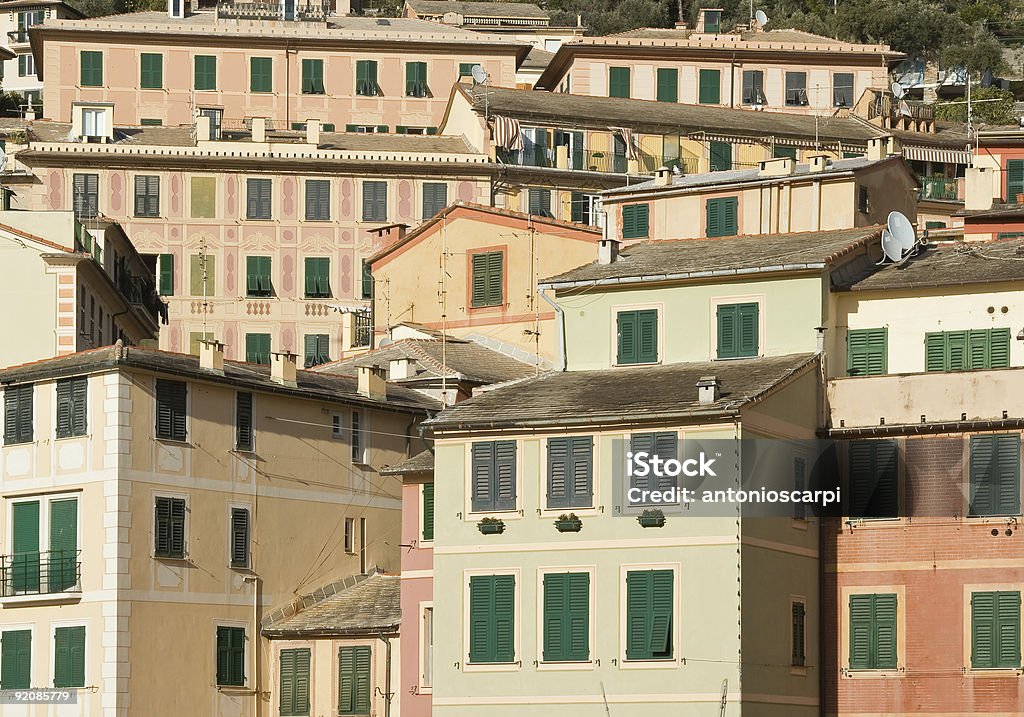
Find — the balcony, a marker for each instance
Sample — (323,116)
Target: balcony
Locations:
(946,188)
(17,36)
(51,573)
(310,11)
(139,291)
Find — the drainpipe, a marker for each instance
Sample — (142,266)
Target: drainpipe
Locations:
(561,329)
(256,651)
(387,675)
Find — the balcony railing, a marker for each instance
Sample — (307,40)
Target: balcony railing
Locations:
(362,330)
(139,291)
(17,36)
(310,11)
(894,110)
(939,188)
(46,573)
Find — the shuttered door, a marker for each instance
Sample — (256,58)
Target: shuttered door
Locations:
(427,519)
(69,656)
(867,352)
(566,617)
(16,660)
(243,421)
(354,680)
(62,573)
(294,682)
(25,544)
(649,610)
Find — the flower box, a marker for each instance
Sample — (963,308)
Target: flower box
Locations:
(491,526)
(651,519)
(568,523)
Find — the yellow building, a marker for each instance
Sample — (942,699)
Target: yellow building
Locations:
(158,508)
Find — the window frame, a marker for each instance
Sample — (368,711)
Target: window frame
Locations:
(623,611)
(970,590)
(486,301)
(243,657)
(517,654)
(567,665)
(170,553)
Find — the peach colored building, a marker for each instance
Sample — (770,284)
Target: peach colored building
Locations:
(19,70)
(386,75)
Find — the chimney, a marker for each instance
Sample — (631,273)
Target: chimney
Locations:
(282,368)
(980,188)
(682,24)
(385,236)
(662,176)
(400,368)
(313,132)
(818,162)
(607,250)
(882,147)
(372,383)
(259,129)
(708,389)
(211,355)
(203,128)
(778,167)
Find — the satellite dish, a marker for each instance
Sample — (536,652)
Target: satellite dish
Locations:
(761,17)
(898,90)
(890,247)
(905,109)
(479,74)
(902,231)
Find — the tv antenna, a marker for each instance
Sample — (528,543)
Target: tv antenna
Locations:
(899,240)
(480,77)
(761,17)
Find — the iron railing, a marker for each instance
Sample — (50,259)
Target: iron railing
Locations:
(17,36)
(362,330)
(893,109)
(308,11)
(41,573)
(938,188)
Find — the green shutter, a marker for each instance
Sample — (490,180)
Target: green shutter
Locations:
(635,221)
(1014,179)
(738,330)
(626,337)
(885,632)
(570,472)
(935,352)
(257,276)
(294,682)
(649,612)
(995,475)
(491,618)
(16,660)
(171,401)
(230,656)
(720,156)
(998,348)
(416,79)
(873,636)
(487,279)
(91,68)
(710,87)
(152,71)
(637,336)
(428,511)
(243,421)
(722,217)
(995,630)
(318,277)
(257,348)
(618,82)
(166,275)
(867,352)
(205,72)
(72,394)
(861,629)
(25,547)
(366,288)
(62,571)
(69,656)
(780,152)
(566,617)
(366,78)
(354,680)
(874,479)
(312,77)
(966,350)
(494,476)
(261,74)
(668,84)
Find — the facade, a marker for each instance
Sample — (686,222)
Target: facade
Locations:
(153,498)
(19,71)
(472,271)
(386,75)
(71,286)
(785,70)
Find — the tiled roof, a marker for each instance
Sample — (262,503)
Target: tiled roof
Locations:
(680,259)
(949,264)
(420,463)
(478,9)
(372,605)
(650,393)
(537,59)
(796,37)
(48,131)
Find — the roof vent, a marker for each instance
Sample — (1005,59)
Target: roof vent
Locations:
(708,389)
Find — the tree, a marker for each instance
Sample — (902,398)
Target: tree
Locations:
(996,109)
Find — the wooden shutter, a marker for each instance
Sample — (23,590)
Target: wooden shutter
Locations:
(16,659)
(240,537)
(748,315)
(983,630)
(626,338)
(957,350)
(257,348)
(69,656)
(558,487)
(427,519)
(935,352)
(243,421)
(504,475)
(1014,179)
(635,221)
(709,91)
(294,681)
(995,475)
(999,348)
(354,680)
(713,223)
(720,156)
(730,216)
(91,68)
(1007,474)
(885,631)
(261,74)
(435,198)
(482,466)
(618,82)
(504,618)
(286,682)
(318,199)
(649,610)
(566,617)
(312,77)
(171,399)
(728,323)
(1007,629)
(582,471)
(18,414)
(661,614)
(867,351)
(166,277)
(25,546)
(495,281)
(643,443)
(375,199)
(479,280)
(205,72)
(797,634)
(63,561)
(230,656)
(152,71)
(861,628)
(416,79)
(647,336)
(64,409)
(668,84)
(492,618)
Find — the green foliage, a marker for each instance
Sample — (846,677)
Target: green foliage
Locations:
(999,112)
(605,17)
(10,104)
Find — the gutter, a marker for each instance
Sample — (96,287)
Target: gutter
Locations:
(915,429)
(672,190)
(682,276)
(583,421)
(561,328)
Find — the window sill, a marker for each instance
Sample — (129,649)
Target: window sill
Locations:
(666,664)
(424,690)
(41,598)
(996,673)
(70,438)
(236,689)
(988,519)
(566,666)
(477,516)
(872,674)
(181,442)
(171,559)
(638,363)
(580,511)
(492,667)
(736,358)
(798,670)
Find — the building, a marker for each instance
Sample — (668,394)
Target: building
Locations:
(152,498)
(785,70)
(472,271)
(70,286)
(19,70)
(373,74)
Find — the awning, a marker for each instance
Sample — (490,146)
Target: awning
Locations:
(937,154)
(507,134)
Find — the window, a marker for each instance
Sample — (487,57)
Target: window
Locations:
(665,445)
(416,79)
(230,656)
(797,633)
(258,198)
(362,546)
(239,547)
(780,152)
(72,406)
(169,528)
(539,202)
(709,87)
(318,200)
(995,475)
(637,336)
(69,656)
(367,128)
(668,84)
(150,122)
(435,198)
(194,339)
(618,82)
(719,156)
(466,69)
(170,409)
(873,632)
(712,21)
(261,70)
(358,438)
(350,528)
(874,479)
(354,680)
(1014,179)
(15,660)
(294,682)
(26,65)
(753,88)
(257,348)
(18,414)
(165,274)
(842,89)
(796,89)
(867,352)
(375,201)
(25,21)
(427,639)
(243,422)
(86,199)
(493,466)
(649,613)
(570,481)
(722,217)
(152,71)
(204,197)
(492,618)
(428,511)
(863,200)
(403,129)
(91,68)
(635,221)
(738,330)
(966,350)
(59,562)
(366,78)
(581,207)
(566,617)
(257,276)
(318,349)
(366,287)
(362,329)
(202,274)
(312,77)
(94,122)
(147,196)
(216,116)
(205,72)
(487,279)
(318,277)
(995,630)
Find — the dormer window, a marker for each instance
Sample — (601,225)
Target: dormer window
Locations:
(711,21)
(94,121)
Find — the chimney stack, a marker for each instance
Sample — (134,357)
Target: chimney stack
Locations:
(882,147)
(203,128)
(372,383)
(708,390)
(980,188)
(211,355)
(282,368)
(607,250)
(259,129)
(313,132)
(818,162)
(662,176)
(777,167)
(400,368)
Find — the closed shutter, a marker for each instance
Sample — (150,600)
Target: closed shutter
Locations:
(482,467)
(91,68)
(261,74)
(171,399)
(147,196)
(318,270)
(257,348)
(435,198)
(577,207)
(780,152)
(635,221)
(738,330)
(539,202)
(797,634)
(494,476)
(257,275)
(722,217)
(69,656)
(416,79)
(647,336)
(243,421)
(205,72)
(239,537)
(668,85)
(618,82)
(169,538)
(874,479)
(861,629)
(935,352)
(665,445)
(983,630)
(72,407)
(366,78)
(312,77)
(566,617)
(1007,629)
(956,351)
(375,201)
(487,281)
(318,200)
(294,682)
(85,198)
(152,76)
(570,472)
(258,200)
(558,473)
(25,546)
(230,656)
(1014,179)
(998,348)
(867,352)
(16,660)
(166,278)
(885,632)
(63,567)
(428,511)
(873,632)
(316,349)
(354,680)
(649,610)
(720,156)
(748,329)
(18,414)
(626,338)
(709,90)
(491,618)
(995,475)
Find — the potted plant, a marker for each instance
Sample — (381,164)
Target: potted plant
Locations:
(596,156)
(651,519)
(491,526)
(570,523)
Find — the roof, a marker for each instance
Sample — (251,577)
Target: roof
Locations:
(650,393)
(48,131)
(997,211)
(680,259)
(372,605)
(478,9)
(537,59)
(949,264)
(420,463)
(309,384)
(40,3)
